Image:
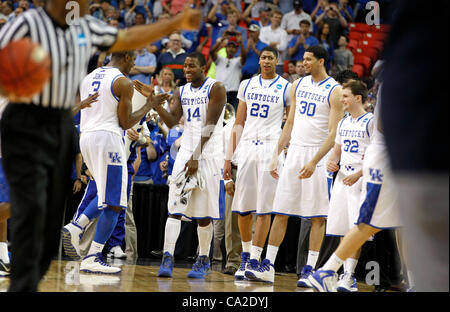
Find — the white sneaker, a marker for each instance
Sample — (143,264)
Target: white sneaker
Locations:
(346,283)
(117,252)
(265,272)
(240,273)
(95,264)
(71,235)
(323,281)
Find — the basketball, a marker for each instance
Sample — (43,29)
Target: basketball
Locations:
(24,68)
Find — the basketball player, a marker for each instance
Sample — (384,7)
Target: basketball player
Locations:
(377,211)
(262,100)
(202,103)
(310,130)
(352,138)
(102,147)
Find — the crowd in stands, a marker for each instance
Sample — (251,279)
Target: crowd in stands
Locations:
(231,35)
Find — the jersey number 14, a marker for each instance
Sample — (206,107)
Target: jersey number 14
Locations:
(195,114)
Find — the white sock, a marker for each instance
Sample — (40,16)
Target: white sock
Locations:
(205,234)
(4,252)
(82,221)
(95,248)
(171,234)
(312,258)
(246,246)
(271,253)
(333,264)
(256,252)
(350,265)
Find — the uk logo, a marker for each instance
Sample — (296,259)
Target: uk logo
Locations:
(115,157)
(376,175)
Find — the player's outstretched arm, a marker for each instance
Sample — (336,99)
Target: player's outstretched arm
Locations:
(123,88)
(336,114)
(140,36)
(171,118)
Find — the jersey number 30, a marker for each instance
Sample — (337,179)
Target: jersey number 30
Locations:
(308,108)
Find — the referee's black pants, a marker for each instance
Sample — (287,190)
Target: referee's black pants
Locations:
(37,149)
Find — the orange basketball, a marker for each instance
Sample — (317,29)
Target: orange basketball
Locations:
(24,68)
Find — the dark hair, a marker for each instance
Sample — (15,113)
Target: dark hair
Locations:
(319,34)
(199,56)
(357,87)
(270,49)
(305,21)
(319,52)
(122,54)
(345,75)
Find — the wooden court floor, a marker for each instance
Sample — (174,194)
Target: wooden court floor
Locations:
(141,276)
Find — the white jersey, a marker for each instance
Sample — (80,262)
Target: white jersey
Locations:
(378,137)
(194,102)
(266,100)
(312,109)
(102,115)
(353,134)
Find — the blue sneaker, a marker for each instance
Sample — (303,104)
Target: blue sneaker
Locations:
(347,283)
(200,268)
(166,268)
(323,281)
(240,273)
(303,280)
(264,272)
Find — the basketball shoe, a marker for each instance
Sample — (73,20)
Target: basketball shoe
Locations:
(117,252)
(96,264)
(346,283)
(260,272)
(166,267)
(71,235)
(323,281)
(240,273)
(303,280)
(200,268)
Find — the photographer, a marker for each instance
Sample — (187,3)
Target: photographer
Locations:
(333,17)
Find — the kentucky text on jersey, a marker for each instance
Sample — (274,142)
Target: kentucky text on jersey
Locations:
(263,97)
(352,133)
(311,96)
(195,101)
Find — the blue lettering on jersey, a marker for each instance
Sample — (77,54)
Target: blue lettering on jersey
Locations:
(263,97)
(376,175)
(115,157)
(311,96)
(196,101)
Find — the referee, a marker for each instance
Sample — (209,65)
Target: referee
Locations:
(37,133)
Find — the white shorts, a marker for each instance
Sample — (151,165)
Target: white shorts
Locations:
(255,187)
(306,198)
(344,204)
(104,155)
(379,192)
(206,203)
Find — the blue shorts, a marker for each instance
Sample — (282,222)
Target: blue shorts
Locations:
(4,187)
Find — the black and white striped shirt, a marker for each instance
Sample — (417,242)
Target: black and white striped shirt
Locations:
(70,48)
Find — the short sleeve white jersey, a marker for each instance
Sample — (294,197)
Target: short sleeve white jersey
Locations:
(102,115)
(353,134)
(312,109)
(266,100)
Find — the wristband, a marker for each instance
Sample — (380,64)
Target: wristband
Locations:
(225,182)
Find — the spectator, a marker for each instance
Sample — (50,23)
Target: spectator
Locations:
(229,68)
(113,14)
(319,9)
(145,65)
(7,10)
(166,82)
(139,19)
(218,19)
(157,9)
(175,6)
(128,13)
(198,38)
(253,50)
(291,74)
(276,37)
(264,18)
(335,20)
(233,27)
(291,21)
(285,6)
(323,35)
(225,5)
(346,10)
(174,58)
(253,10)
(343,57)
(300,43)
(300,69)
(174,143)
